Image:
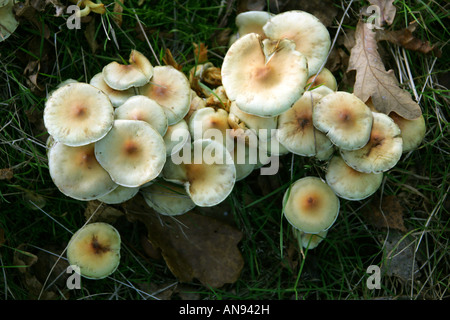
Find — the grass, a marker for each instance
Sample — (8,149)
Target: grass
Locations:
(36,218)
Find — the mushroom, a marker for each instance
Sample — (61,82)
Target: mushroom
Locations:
(170,88)
(76,172)
(208,175)
(95,250)
(176,136)
(195,104)
(124,76)
(296,131)
(117,97)
(309,240)
(346,120)
(119,195)
(252,22)
(350,184)
(8,23)
(310,205)
(133,153)
(167,198)
(324,77)
(383,150)
(412,131)
(145,109)
(264,77)
(77,114)
(310,36)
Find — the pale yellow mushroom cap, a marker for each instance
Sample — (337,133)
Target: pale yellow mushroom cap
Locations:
(95,249)
(133,153)
(78,114)
(325,78)
(252,22)
(208,123)
(350,184)
(296,131)
(117,97)
(383,150)
(412,131)
(309,240)
(124,76)
(176,136)
(310,36)
(171,89)
(77,173)
(346,120)
(145,109)
(264,77)
(311,205)
(119,195)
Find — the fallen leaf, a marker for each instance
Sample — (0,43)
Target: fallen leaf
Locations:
(118,10)
(89,34)
(387,10)
(6,174)
(372,79)
(406,39)
(200,52)
(193,245)
(169,60)
(98,211)
(390,216)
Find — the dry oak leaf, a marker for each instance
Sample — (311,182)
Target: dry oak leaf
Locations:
(193,245)
(372,79)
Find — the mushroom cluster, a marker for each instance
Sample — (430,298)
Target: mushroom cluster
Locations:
(183,141)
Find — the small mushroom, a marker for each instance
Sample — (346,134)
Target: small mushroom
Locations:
(350,184)
(133,153)
(145,109)
(310,36)
(170,88)
(77,114)
(119,195)
(346,120)
(76,172)
(310,205)
(383,150)
(208,123)
(124,76)
(95,250)
(176,136)
(323,78)
(309,240)
(117,97)
(264,77)
(412,131)
(250,22)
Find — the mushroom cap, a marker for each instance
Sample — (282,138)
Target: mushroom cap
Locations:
(133,152)
(208,123)
(124,76)
(412,131)
(95,249)
(350,184)
(325,77)
(252,22)
(176,136)
(311,205)
(117,97)
(264,78)
(296,131)
(171,89)
(345,119)
(78,114)
(383,150)
(167,198)
(8,23)
(310,36)
(144,109)
(256,123)
(119,195)
(309,240)
(77,173)
(244,158)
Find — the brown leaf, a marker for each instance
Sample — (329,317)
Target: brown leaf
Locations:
(201,52)
(387,10)
(31,71)
(118,9)
(169,60)
(89,34)
(193,245)
(406,39)
(99,211)
(372,79)
(6,174)
(390,216)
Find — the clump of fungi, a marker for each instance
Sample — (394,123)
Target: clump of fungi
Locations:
(135,128)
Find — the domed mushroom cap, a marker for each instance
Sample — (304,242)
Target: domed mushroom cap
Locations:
(176,136)
(167,199)
(310,36)
(208,123)
(264,78)
(77,173)
(325,78)
(133,153)
(310,240)
(117,97)
(350,184)
(345,119)
(383,150)
(124,76)
(95,249)
(252,22)
(412,131)
(78,114)
(119,195)
(171,89)
(296,131)
(144,109)
(311,205)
